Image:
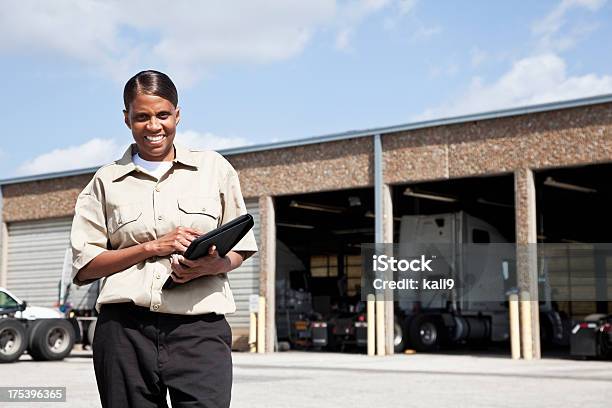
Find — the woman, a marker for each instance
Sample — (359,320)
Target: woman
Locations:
(132,223)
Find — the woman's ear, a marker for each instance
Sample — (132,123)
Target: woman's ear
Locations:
(178,115)
(126,119)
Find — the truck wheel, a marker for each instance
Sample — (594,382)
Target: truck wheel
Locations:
(424,333)
(51,339)
(12,340)
(399,341)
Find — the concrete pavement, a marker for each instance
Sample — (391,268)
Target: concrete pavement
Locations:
(301,379)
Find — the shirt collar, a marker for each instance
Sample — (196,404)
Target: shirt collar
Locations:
(184,156)
(125,165)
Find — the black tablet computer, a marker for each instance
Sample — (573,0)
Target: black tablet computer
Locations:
(224,238)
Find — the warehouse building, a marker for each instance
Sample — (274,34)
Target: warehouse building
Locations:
(319,199)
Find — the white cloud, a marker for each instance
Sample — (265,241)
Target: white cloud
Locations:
(403,8)
(550,28)
(478,56)
(532,80)
(343,39)
(351,14)
(404,16)
(97,152)
(439,70)
(184,37)
(94,152)
(406,6)
(423,32)
(208,141)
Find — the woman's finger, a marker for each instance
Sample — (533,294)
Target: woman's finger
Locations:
(193,231)
(177,267)
(186,261)
(182,278)
(188,236)
(186,242)
(179,247)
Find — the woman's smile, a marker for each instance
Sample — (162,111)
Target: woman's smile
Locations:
(155,140)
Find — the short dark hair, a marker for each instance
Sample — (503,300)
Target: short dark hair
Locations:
(149,82)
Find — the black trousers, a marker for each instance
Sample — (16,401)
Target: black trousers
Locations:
(139,355)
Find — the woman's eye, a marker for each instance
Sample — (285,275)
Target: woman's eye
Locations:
(163,116)
(141,118)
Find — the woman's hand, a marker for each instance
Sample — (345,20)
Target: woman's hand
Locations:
(184,270)
(117,260)
(175,241)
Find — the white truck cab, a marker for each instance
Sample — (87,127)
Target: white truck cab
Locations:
(8,301)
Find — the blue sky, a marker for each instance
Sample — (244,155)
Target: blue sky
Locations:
(258,71)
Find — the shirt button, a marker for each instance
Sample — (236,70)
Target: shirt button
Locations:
(157,275)
(155,307)
(159,217)
(157,188)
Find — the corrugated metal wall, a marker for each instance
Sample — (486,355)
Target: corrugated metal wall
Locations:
(244,281)
(35,259)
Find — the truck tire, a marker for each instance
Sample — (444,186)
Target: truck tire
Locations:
(424,333)
(51,339)
(399,339)
(31,327)
(13,340)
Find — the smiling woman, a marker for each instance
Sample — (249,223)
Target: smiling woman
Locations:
(132,224)
(151,112)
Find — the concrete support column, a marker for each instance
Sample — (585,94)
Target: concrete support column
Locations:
(4,255)
(527,261)
(371,320)
(388,239)
(267,274)
(381,310)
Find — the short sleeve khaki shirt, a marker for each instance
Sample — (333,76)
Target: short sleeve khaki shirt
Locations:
(123,206)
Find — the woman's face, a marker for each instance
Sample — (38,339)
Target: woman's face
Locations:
(153,121)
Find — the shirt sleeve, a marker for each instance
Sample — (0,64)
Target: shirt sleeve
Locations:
(88,237)
(233,206)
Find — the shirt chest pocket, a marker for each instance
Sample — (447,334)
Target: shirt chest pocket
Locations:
(124,223)
(198,212)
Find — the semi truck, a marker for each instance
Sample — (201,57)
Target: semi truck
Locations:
(45,333)
(48,333)
(475,310)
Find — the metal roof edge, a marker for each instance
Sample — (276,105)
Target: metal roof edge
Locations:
(502,113)
(46,176)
